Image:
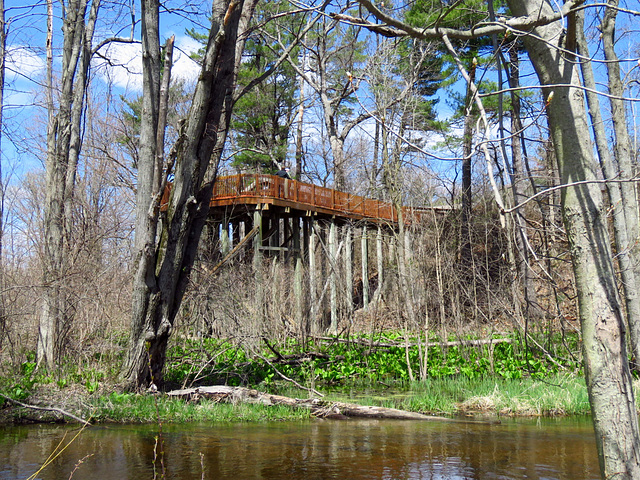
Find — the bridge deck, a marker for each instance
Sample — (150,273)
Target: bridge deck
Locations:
(253,189)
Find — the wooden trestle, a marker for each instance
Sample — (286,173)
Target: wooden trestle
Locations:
(289,219)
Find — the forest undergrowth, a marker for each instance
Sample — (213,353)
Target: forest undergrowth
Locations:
(499,375)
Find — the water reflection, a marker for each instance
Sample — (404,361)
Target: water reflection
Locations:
(353,449)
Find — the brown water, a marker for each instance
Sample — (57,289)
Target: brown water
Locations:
(320,449)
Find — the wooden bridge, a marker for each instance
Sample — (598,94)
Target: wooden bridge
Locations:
(281,212)
(254,189)
(305,224)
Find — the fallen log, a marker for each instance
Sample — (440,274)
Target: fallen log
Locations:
(317,407)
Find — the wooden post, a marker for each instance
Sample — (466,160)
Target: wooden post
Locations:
(295,236)
(257,240)
(225,242)
(348,267)
(242,230)
(365,267)
(408,257)
(313,279)
(297,291)
(306,221)
(333,265)
(379,259)
(297,280)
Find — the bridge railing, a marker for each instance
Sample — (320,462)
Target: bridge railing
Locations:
(272,186)
(306,194)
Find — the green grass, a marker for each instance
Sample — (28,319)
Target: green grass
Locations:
(132,408)
(561,395)
(555,395)
(450,396)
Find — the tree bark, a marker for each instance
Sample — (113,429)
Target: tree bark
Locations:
(606,366)
(165,264)
(626,172)
(623,229)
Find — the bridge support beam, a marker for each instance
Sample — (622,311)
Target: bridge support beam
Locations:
(380,259)
(317,244)
(364,248)
(348,268)
(333,265)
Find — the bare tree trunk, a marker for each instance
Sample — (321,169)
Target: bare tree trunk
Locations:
(467,152)
(606,366)
(624,231)
(299,149)
(164,267)
(626,171)
(63,151)
(532,307)
(3,54)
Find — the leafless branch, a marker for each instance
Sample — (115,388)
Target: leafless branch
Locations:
(566,185)
(46,409)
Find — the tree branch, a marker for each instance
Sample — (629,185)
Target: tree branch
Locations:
(46,409)
(398,28)
(566,185)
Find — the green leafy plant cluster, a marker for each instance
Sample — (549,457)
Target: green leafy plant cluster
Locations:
(20,383)
(341,362)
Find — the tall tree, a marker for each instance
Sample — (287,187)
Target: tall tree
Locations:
(163,265)
(627,169)
(334,62)
(615,164)
(63,153)
(551,51)
(606,366)
(263,116)
(3,56)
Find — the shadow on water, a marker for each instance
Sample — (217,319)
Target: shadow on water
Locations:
(319,449)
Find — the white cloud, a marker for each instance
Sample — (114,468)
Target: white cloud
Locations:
(124,68)
(125,63)
(23,63)
(184,67)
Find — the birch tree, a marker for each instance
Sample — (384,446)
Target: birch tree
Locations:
(3,44)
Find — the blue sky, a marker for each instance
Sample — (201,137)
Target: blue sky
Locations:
(119,69)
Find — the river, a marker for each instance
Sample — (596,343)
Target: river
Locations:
(318,449)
